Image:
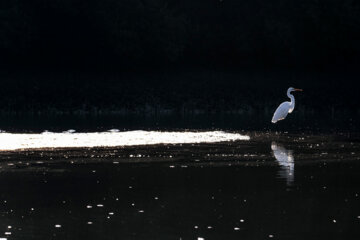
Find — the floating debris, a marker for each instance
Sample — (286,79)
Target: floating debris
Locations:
(70,131)
(114,130)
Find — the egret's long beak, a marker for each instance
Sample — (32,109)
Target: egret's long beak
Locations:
(298,89)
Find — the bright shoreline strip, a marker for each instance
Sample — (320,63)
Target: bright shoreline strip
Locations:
(17,141)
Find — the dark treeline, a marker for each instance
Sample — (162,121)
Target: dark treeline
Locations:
(123,34)
(182,56)
(329,94)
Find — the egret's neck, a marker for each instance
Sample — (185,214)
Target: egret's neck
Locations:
(292,103)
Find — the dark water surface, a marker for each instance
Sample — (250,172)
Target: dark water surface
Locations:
(299,121)
(275,186)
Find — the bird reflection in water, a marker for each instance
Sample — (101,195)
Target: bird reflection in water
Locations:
(285,159)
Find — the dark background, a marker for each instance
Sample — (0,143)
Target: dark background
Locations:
(179,57)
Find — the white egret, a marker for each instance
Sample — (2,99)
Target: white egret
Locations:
(286,107)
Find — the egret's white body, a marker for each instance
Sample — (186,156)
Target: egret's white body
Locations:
(286,107)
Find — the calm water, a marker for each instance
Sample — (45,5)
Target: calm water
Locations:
(273,186)
(257,121)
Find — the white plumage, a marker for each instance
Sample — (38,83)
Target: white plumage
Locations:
(286,107)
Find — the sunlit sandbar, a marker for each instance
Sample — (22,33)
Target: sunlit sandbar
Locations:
(15,141)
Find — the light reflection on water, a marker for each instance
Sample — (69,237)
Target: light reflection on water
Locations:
(285,159)
(68,139)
